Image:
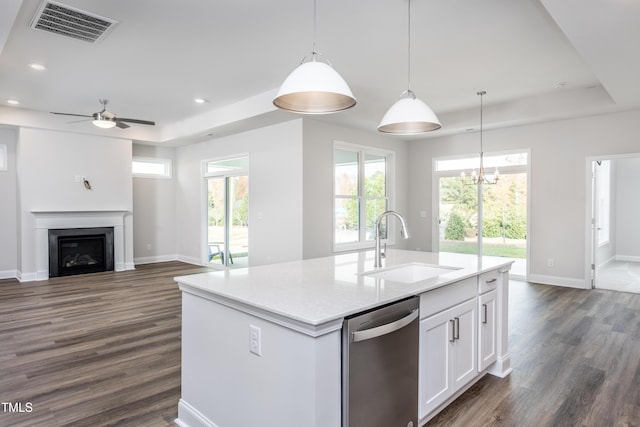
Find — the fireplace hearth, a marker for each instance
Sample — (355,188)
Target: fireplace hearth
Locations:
(80,251)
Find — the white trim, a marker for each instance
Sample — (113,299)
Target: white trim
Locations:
(567,282)
(9,274)
(188,416)
(155,259)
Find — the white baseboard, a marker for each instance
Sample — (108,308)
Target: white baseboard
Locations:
(188,416)
(629,258)
(9,274)
(154,259)
(27,277)
(189,260)
(501,367)
(568,282)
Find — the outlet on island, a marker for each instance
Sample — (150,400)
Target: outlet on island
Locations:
(255,341)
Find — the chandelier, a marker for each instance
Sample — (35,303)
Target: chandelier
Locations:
(479,178)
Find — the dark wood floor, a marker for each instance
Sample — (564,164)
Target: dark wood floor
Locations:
(104,350)
(575,356)
(92,350)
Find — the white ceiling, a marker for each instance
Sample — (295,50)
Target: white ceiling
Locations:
(164,53)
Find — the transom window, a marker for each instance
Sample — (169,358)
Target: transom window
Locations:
(363,178)
(148,167)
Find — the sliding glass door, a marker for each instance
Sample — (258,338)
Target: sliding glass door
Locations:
(227,227)
(489,220)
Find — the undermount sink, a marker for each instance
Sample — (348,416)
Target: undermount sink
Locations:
(410,273)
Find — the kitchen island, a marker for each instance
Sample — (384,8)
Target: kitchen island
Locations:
(262,345)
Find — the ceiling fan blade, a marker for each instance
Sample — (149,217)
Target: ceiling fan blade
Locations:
(70,114)
(78,121)
(140,122)
(121,124)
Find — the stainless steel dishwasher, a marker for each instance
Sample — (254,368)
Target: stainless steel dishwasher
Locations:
(380,366)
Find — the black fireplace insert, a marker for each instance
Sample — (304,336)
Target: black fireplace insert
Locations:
(80,250)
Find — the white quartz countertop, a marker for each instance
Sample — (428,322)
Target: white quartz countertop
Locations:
(324,290)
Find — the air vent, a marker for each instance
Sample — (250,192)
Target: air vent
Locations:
(67,21)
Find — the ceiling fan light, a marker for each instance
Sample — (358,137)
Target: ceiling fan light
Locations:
(409,116)
(314,87)
(103,122)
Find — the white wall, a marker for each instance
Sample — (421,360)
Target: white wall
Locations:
(628,209)
(275,192)
(557,183)
(154,211)
(318,180)
(48,163)
(8,208)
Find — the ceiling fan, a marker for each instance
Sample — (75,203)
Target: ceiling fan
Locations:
(105,119)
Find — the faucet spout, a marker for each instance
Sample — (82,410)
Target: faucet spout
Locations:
(405,233)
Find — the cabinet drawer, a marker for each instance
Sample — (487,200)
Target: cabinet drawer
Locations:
(488,281)
(447,296)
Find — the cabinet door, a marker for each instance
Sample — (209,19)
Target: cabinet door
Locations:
(465,356)
(487,330)
(434,385)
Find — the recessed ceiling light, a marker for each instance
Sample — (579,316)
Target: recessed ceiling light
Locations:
(200,100)
(37,67)
(13,102)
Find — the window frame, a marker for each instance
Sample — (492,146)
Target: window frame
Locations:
(166,162)
(390,182)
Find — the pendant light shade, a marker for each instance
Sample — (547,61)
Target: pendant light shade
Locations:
(314,87)
(409,116)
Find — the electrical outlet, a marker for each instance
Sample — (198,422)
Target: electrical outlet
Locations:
(550,262)
(255,340)
(148,246)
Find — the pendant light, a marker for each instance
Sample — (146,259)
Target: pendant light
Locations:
(409,115)
(314,87)
(480,177)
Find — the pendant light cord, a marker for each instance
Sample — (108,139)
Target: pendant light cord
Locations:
(409,47)
(314,52)
(481,93)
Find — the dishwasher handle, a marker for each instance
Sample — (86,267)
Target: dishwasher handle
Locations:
(385,329)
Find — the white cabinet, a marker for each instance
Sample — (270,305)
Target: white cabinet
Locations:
(448,354)
(487,330)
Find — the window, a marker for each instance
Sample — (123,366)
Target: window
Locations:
(3,157)
(363,178)
(148,167)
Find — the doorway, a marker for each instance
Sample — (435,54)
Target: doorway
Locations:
(227,213)
(487,220)
(613,231)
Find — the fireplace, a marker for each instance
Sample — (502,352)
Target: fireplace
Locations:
(80,250)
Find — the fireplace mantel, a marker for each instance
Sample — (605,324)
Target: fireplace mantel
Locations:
(58,219)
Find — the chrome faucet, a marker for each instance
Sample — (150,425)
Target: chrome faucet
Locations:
(378,255)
